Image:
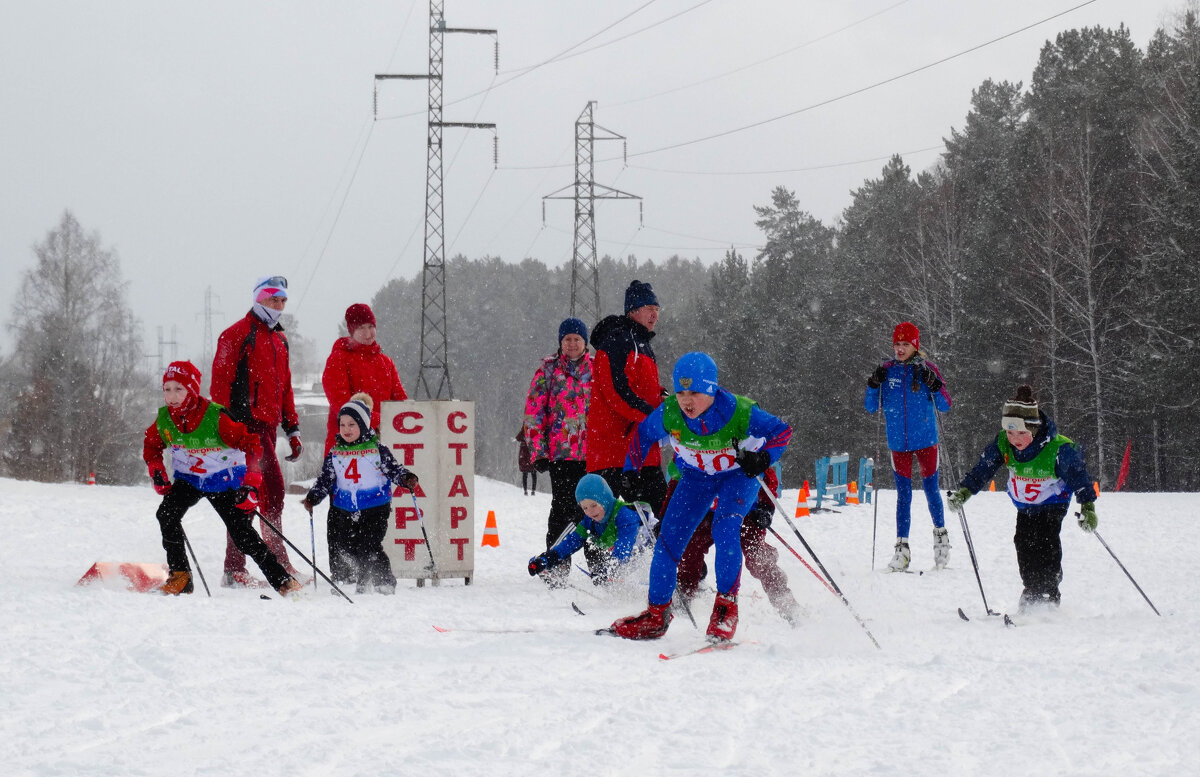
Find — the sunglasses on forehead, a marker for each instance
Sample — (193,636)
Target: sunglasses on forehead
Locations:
(276,280)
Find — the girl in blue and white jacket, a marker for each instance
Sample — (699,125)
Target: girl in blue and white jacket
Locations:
(910,390)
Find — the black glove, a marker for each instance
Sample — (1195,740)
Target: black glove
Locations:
(930,378)
(410,480)
(760,516)
(877,377)
(753,463)
(539,563)
(542,465)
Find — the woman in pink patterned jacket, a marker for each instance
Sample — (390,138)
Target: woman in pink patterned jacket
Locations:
(556,429)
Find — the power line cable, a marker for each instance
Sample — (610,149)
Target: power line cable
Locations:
(531,68)
(808,169)
(762,61)
(860,90)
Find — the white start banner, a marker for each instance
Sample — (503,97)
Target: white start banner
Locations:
(436,440)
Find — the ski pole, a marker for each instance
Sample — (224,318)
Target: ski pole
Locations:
(421,523)
(196,562)
(837,591)
(638,508)
(312,535)
(875,494)
(1126,571)
(292,545)
(962,518)
(816,574)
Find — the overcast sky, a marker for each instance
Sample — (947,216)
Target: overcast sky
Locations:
(209,143)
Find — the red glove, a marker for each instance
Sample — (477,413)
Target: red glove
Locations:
(252,479)
(247,499)
(297,446)
(160,479)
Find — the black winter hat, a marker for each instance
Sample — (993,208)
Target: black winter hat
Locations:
(639,294)
(359,408)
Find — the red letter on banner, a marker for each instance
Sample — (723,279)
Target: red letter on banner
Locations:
(408,448)
(457,516)
(460,543)
(458,448)
(404,515)
(457,415)
(401,422)
(410,548)
(458,487)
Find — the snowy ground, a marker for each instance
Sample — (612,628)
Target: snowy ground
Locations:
(101,682)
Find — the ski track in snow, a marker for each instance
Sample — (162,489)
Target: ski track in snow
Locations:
(103,682)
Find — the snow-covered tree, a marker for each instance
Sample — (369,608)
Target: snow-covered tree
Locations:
(82,395)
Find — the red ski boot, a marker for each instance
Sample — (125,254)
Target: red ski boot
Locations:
(649,624)
(723,622)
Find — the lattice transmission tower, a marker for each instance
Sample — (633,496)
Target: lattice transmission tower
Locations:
(435,368)
(585,268)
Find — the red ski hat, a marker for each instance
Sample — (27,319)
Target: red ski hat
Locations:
(358,314)
(186,374)
(907,332)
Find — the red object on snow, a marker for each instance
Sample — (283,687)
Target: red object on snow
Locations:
(1124,473)
(121,575)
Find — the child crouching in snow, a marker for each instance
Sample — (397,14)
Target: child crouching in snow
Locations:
(358,471)
(209,451)
(1044,470)
(611,524)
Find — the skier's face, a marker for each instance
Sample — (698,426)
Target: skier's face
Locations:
(904,351)
(275,303)
(364,335)
(1020,440)
(573,346)
(646,315)
(592,509)
(348,428)
(174,393)
(693,403)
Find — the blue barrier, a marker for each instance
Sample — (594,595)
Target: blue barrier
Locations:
(866,480)
(831,475)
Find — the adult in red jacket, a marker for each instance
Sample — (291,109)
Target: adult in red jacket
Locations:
(252,379)
(625,389)
(355,365)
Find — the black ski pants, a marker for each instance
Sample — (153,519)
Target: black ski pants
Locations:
(564,510)
(181,498)
(359,556)
(1039,548)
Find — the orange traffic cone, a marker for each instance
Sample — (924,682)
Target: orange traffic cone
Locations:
(802,502)
(490,535)
(852,496)
(1097,485)
(992,486)
(92,479)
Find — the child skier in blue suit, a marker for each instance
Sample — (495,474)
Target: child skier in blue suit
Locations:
(910,390)
(613,525)
(722,443)
(357,475)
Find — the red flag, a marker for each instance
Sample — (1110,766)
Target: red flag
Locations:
(1124,473)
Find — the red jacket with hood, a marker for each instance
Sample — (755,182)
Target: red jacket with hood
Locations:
(252,377)
(625,389)
(353,367)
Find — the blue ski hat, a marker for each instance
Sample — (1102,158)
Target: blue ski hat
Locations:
(572,326)
(594,487)
(697,372)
